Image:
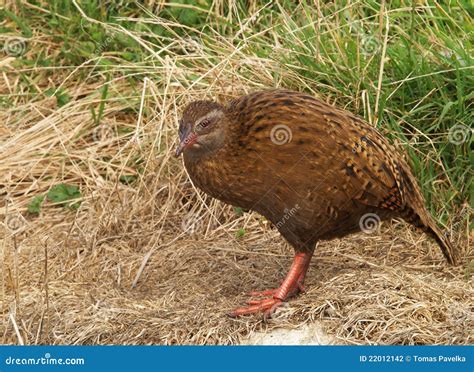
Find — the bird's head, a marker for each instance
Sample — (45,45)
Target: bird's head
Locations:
(201,128)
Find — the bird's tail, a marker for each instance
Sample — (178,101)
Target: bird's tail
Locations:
(416,213)
(443,241)
(426,223)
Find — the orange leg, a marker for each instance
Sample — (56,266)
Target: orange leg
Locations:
(292,285)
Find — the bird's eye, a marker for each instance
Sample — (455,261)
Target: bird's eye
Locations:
(204,123)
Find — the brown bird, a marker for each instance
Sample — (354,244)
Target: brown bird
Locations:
(315,171)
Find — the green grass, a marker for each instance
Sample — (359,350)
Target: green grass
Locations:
(423,88)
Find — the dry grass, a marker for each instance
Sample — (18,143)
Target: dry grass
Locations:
(126,269)
(158,262)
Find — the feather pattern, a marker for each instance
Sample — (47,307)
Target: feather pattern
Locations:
(287,151)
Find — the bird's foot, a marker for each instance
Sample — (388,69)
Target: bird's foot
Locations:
(267,306)
(292,285)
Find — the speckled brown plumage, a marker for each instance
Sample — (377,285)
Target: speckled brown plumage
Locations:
(313,170)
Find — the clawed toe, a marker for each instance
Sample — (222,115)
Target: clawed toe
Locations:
(266,293)
(257,306)
(292,285)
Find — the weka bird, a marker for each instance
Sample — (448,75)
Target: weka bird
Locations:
(313,170)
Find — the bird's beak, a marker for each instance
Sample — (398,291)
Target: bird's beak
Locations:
(186,140)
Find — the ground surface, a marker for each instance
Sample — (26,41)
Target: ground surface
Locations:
(391,288)
(303,335)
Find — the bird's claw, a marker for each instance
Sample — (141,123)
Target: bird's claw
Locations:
(266,293)
(267,306)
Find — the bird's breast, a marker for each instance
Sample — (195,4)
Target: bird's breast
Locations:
(224,180)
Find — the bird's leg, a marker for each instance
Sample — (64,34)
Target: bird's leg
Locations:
(299,288)
(292,284)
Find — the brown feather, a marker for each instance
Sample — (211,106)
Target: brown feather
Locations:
(333,169)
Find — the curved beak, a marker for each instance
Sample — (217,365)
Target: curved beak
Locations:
(187,139)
